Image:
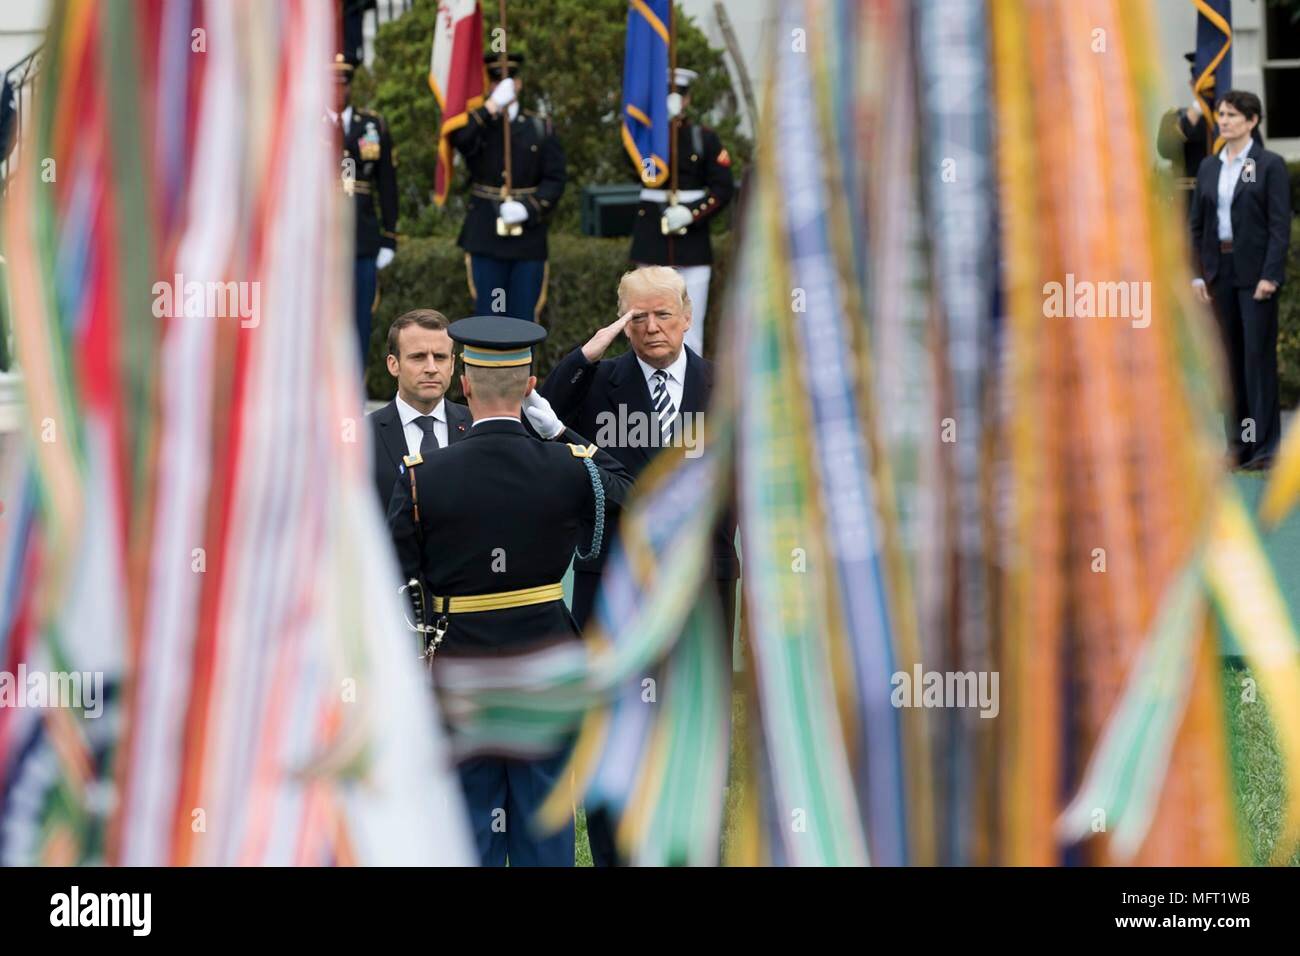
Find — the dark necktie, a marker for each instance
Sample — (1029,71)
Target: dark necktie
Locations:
(430,440)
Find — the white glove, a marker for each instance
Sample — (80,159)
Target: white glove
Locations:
(679,217)
(384,258)
(504,94)
(513,212)
(674,105)
(544,420)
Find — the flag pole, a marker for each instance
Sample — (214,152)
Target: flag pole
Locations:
(503,70)
(672,75)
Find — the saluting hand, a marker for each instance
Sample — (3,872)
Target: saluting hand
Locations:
(603,339)
(544,420)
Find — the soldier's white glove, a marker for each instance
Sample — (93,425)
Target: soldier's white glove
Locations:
(513,212)
(679,217)
(543,418)
(384,258)
(674,105)
(504,94)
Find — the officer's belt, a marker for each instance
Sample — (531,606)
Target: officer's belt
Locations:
(683,195)
(494,192)
(543,594)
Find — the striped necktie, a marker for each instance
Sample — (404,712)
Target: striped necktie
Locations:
(663,407)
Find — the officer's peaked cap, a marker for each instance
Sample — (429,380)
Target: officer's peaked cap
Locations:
(496,341)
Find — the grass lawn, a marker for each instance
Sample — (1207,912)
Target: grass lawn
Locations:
(1257,767)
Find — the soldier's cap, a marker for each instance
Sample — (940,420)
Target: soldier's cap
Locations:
(342,68)
(492,62)
(496,341)
(682,78)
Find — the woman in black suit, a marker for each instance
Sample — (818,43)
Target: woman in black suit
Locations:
(1241,226)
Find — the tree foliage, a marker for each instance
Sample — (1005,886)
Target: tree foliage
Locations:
(573,73)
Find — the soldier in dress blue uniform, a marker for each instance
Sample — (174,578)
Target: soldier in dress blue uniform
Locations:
(488,525)
(368,172)
(504,235)
(674,230)
(1186,138)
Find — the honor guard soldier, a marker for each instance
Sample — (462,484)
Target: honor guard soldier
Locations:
(512,196)
(1186,138)
(488,527)
(369,173)
(672,228)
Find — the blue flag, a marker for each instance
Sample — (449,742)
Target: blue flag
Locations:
(645,89)
(1213,65)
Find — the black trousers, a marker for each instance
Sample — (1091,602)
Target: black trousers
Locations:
(1249,331)
(600,822)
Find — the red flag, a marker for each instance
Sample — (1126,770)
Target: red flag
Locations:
(455,76)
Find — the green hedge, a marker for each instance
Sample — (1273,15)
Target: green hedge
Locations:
(1288,323)
(430,273)
(581,295)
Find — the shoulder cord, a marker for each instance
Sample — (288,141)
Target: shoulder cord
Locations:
(598,532)
(415,511)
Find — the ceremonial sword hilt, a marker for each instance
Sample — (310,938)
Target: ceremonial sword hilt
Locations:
(431,634)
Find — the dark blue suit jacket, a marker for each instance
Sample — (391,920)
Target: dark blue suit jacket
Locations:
(1261,220)
(580,391)
(389,442)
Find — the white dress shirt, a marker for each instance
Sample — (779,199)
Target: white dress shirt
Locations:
(414,433)
(676,379)
(1229,173)
(347,121)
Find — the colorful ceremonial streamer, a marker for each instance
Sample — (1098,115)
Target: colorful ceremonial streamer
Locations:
(949,456)
(201,531)
(939,471)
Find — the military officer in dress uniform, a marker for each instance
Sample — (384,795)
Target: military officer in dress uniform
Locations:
(673,230)
(489,525)
(368,171)
(1186,138)
(504,234)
